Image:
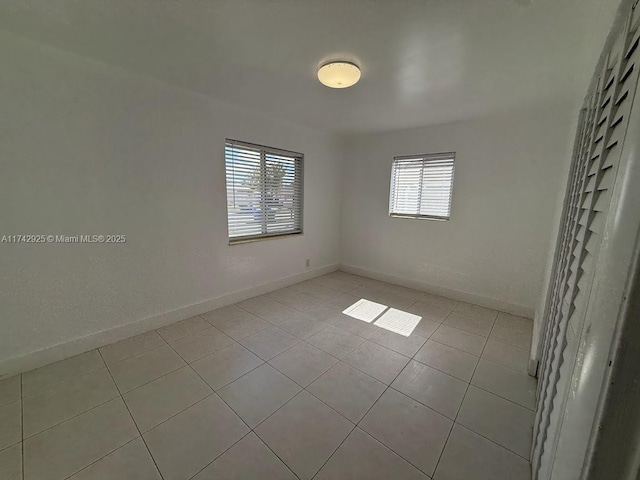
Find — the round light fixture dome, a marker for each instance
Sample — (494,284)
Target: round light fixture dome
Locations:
(339,74)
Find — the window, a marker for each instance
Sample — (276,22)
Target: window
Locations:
(421,186)
(264,191)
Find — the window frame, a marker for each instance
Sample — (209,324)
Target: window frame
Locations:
(264,151)
(424,158)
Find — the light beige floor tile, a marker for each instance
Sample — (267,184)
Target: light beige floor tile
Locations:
(116,352)
(347,390)
(377,361)
(159,400)
(226,365)
(10,390)
(505,382)
(371,282)
(513,330)
(10,424)
(67,399)
(258,394)
(393,300)
(426,328)
(194,346)
(303,363)
(475,311)
(136,371)
(276,312)
(183,328)
(506,355)
(409,293)
(368,293)
(448,359)
(241,327)
(361,456)
(11,463)
(130,462)
(497,419)
(323,293)
(71,446)
(480,324)
(281,294)
(302,325)
(433,307)
(302,302)
(344,301)
(257,304)
(456,338)
(325,313)
(345,277)
(306,285)
(269,342)
(48,376)
(411,430)
(249,459)
(353,325)
(406,346)
(223,314)
(337,284)
(304,433)
(468,455)
(336,342)
(431,387)
(187,426)
(188,442)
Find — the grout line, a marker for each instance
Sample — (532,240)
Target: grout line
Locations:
(104,456)
(396,453)
(464,396)
(435,468)
(363,416)
(65,380)
(72,417)
(323,302)
(336,449)
(137,354)
(251,430)
(302,389)
(3,449)
(493,441)
(131,417)
(213,353)
(221,454)
(500,396)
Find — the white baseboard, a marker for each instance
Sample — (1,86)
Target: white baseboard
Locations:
(39,358)
(493,303)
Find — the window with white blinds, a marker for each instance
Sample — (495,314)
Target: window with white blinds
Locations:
(421,186)
(264,191)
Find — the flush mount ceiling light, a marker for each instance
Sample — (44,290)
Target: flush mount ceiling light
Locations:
(339,74)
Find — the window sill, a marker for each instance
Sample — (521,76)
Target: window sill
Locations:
(260,238)
(420,217)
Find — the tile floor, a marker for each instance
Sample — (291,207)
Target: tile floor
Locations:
(285,386)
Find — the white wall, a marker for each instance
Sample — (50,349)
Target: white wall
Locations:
(508,172)
(90,149)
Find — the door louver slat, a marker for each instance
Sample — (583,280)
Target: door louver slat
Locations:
(602,129)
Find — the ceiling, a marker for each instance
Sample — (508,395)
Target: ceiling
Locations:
(423,61)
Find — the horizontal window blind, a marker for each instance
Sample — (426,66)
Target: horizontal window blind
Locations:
(421,186)
(264,191)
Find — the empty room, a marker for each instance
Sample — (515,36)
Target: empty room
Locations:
(319,240)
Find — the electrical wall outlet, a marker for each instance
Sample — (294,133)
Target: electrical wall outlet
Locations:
(308,263)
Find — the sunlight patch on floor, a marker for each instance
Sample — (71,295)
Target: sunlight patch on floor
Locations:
(398,321)
(365,310)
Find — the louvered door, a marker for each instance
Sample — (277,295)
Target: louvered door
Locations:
(597,151)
